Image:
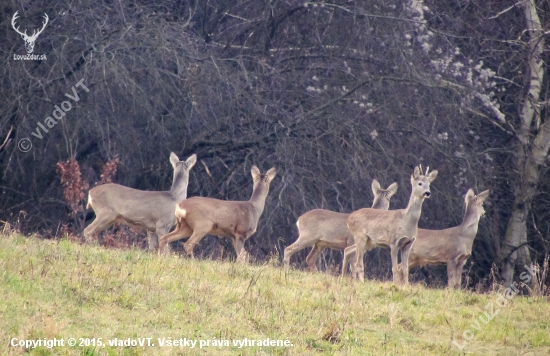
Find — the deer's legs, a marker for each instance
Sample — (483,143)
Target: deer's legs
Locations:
(195,238)
(238,244)
(153,240)
(400,274)
(300,244)
(180,232)
(100,223)
(458,271)
(350,256)
(394,250)
(451,273)
(359,267)
(403,272)
(458,274)
(313,255)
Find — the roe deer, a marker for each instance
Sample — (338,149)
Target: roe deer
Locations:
(237,220)
(152,210)
(451,246)
(322,228)
(394,228)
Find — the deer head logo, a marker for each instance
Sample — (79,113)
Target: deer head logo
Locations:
(29,40)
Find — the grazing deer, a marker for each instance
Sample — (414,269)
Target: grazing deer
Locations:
(451,246)
(322,228)
(394,228)
(237,220)
(152,210)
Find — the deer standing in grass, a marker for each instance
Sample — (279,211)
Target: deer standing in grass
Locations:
(394,228)
(151,210)
(237,220)
(322,228)
(451,246)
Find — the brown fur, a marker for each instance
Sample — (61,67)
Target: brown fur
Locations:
(451,246)
(324,228)
(150,210)
(236,220)
(394,228)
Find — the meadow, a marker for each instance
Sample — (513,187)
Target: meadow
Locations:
(62,289)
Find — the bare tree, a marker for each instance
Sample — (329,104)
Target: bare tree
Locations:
(533,134)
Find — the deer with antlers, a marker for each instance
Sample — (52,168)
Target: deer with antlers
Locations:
(237,220)
(29,40)
(322,228)
(451,246)
(394,228)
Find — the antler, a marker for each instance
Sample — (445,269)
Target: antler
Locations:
(427,169)
(35,33)
(15,17)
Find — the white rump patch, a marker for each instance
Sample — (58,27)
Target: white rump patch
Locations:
(180,213)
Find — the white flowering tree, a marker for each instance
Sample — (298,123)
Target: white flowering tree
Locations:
(528,126)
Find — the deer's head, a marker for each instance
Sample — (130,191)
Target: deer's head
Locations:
(421,182)
(182,168)
(262,179)
(474,203)
(382,196)
(29,40)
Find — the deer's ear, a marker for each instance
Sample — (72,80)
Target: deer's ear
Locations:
(417,172)
(191,161)
(375,186)
(469,195)
(432,176)
(392,189)
(271,174)
(174,159)
(255,172)
(483,195)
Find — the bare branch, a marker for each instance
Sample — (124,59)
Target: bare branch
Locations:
(7,140)
(505,10)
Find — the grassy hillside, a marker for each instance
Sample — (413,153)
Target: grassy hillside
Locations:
(59,289)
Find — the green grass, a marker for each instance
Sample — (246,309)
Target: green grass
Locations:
(60,289)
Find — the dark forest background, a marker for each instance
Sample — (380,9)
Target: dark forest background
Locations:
(332,93)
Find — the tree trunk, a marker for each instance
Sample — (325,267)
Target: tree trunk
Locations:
(532,150)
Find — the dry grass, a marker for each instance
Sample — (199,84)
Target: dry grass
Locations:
(62,289)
